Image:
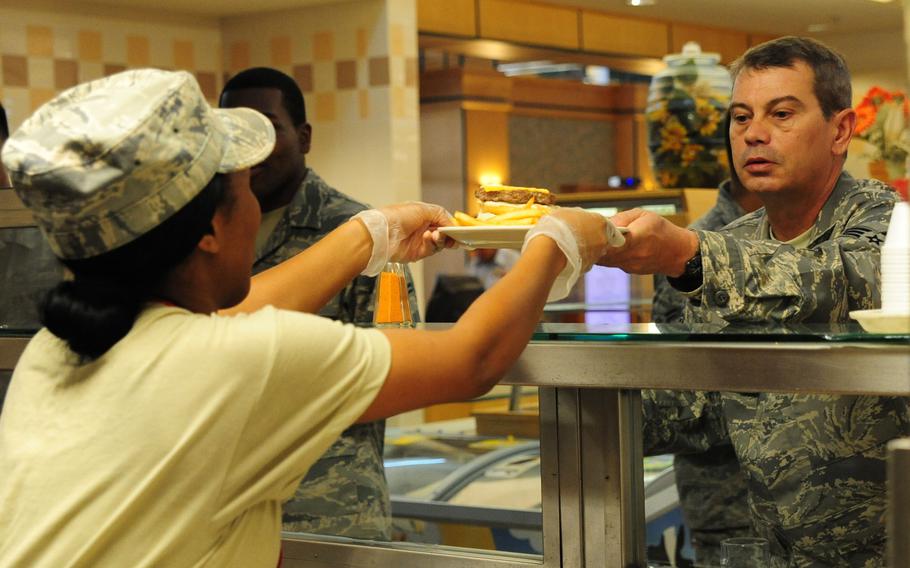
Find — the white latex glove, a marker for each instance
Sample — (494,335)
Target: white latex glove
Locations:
(582,236)
(404,232)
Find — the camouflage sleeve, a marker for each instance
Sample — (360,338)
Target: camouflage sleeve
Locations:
(682,421)
(668,305)
(359,306)
(412,296)
(763,280)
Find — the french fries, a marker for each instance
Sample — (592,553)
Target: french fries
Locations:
(466,220)
(527,214)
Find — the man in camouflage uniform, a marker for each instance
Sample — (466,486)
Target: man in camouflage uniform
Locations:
(345,492)
(815,464)
(733,201)
(712,489)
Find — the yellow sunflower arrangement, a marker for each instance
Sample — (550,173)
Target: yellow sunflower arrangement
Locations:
(687,103)
(687,141)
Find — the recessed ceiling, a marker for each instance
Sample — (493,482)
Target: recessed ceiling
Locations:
(766,16)
(216,8)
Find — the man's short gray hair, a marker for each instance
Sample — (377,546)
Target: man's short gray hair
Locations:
(832,78)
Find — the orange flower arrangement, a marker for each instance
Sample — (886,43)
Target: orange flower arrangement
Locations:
(882,120)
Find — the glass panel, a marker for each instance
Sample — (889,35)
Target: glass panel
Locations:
(676,332)
(467,475)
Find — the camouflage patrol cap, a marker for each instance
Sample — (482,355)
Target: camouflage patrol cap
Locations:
(107,161)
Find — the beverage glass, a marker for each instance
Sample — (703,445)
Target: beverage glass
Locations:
(391,307)
(745,552)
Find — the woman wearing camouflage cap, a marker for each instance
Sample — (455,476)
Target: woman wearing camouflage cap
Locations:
(143,429)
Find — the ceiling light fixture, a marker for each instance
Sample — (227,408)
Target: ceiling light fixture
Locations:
(641,2)
(536,68)
(881,1)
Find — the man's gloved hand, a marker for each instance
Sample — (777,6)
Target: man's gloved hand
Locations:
(404,232)
(582,236)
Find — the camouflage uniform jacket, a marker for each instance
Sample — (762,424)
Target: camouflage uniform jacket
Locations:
(668,304)
(713,494)
(345,491)
(815,464)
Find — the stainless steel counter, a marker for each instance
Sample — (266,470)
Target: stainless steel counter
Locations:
(590,412)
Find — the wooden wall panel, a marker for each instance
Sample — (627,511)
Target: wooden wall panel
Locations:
(625,146)
(627,36)
(728,43)
(755,39)
(454,17)
(529,23)
(698,201)
(457,83)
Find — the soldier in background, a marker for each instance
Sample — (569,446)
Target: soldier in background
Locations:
(713,494)
(815,464)
(28,267)
(345,491)
(4,134)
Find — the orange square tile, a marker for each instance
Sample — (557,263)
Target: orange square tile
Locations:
(112,69)
(39,41)
(323,46)
(206,82)
(89,44)
(325,107)
(362,42)
(66,73)
(137,51)
(364,103)
(38,97)
(184,54)
(280,48)
(15,71)
(346,74)
(240,55)
(303,74)
(396,41)
(379,71)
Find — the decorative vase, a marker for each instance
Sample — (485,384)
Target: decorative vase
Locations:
(687,102)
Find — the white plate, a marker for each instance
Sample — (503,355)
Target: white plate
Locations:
(877,321)
(492,236)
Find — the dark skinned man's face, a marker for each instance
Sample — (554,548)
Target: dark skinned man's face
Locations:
(275,180)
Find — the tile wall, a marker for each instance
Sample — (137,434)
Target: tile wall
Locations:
(356,63)
(44,52)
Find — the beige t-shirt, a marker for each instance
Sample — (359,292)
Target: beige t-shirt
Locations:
(177,447)
(267,226)
(800,241)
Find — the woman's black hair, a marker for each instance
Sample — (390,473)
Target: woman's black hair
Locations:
(98,307)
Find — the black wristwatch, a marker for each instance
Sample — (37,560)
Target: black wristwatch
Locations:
(692,276)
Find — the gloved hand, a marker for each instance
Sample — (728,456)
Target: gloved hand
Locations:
(582,236)
(404,232)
